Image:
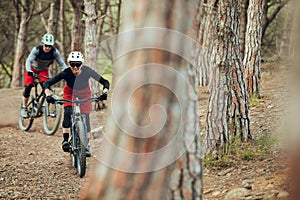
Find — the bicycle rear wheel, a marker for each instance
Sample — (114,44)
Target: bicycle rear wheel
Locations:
(25,123)
(80,153)
(52,117)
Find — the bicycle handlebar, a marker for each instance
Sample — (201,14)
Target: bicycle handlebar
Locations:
(36,76)
(61,101)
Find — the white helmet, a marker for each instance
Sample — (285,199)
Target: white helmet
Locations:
(75,56)
(48,39)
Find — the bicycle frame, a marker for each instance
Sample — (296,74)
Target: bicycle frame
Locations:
(79,138)
(76,117)
(35,109)
(38,99)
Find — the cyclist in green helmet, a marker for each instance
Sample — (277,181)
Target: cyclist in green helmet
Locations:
(38,62)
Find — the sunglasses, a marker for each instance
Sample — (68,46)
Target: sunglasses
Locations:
(75,64)
(49,46)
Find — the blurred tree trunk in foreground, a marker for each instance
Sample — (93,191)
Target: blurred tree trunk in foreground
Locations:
(292,125)
(154,129)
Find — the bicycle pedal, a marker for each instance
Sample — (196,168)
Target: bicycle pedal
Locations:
(66,147)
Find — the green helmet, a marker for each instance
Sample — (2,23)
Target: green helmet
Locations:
(48,39)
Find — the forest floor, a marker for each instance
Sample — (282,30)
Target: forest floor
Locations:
(33,166)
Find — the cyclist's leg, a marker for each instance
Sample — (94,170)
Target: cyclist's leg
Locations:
(28,84)
(66,128)
(26,94)
(67,118)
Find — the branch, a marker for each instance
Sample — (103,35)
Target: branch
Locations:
(98,17)
(276,11)
(6,70)
(30,13)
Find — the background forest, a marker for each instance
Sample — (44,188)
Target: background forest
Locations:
(24,22)
(228,43)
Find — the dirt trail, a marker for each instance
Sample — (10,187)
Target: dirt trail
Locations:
(33,165)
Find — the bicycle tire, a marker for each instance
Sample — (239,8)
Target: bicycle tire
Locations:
(52,119)
(26,123)
(81,152)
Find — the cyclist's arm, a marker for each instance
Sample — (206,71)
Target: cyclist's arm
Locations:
(34,52)
(60,60)
(53,80)
(105,84)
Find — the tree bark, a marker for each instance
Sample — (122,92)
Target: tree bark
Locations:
(152,77)
(207,44)
(62,28)
(52,28)
(228,113)
(90,41)
(252,57)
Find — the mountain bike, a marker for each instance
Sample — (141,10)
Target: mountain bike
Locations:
(79,139)
(37,107)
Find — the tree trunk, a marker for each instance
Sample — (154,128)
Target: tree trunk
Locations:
(53,18)
(252,58)
(228,113)
(90,41)
(159,90)
(63,47)
(76,43)
(103,12)
(53,27)
(19,59)
(207,43)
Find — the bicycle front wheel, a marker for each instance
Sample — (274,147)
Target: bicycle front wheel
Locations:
(25,123)
(52,117)
(81,155)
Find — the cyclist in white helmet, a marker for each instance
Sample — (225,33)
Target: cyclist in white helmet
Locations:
(38,62)
(77,85)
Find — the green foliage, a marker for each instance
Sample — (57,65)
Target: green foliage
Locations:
(253,101)
(237,151)
(223,161)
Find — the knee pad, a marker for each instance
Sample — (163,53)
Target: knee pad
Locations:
(67,117)
(27,90)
